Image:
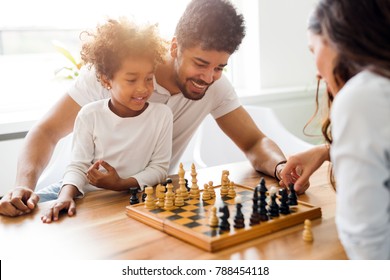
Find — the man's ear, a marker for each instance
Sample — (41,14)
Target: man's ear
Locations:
(174,47)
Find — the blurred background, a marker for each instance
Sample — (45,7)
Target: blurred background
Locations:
(39,53)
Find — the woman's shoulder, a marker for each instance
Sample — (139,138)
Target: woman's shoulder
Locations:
(365,91)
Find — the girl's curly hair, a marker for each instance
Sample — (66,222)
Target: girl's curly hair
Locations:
(115,40)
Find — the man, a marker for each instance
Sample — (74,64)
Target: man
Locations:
(190,82)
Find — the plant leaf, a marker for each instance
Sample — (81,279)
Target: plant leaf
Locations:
(57,45)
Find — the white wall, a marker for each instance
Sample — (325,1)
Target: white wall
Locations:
(278,69)
(285,60)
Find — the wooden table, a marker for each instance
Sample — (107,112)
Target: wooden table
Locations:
(101,229)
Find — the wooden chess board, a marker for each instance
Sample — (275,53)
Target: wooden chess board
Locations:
(190,222)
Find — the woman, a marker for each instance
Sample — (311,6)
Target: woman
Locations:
(350,40)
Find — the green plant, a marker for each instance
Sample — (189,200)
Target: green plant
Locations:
(73,70)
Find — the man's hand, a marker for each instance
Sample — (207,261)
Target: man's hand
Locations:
(19,201)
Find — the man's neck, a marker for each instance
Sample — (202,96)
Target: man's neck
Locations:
(165,77)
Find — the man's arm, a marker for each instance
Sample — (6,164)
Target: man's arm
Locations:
(41,140)
(37,150)
(262,152)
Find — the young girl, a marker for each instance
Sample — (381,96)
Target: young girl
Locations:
(127,136)
(350,40)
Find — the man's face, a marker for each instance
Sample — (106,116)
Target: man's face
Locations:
(196,69)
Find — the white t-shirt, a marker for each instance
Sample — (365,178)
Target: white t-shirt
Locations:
(360,154)
(219,100)
(138,147)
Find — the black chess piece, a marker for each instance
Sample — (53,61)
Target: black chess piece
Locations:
(187,187)
(239,218)
(274,207)
(284,207)
(255,216)
(224,224)
(134,198)
(263,191)
(144,194)
(292,197)
(262,183)
(168,181)
(263,212)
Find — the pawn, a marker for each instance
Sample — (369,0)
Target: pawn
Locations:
(134,198)
(149,200)
(213,219)
(160,194)
(179,200)
(292,197)
(273,206)
(239,217)
(224,225)
(169,190)
(168,203)
(307,233)
(206,194)
(211,189)
(169,196)
(232,192)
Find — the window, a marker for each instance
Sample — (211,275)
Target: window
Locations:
(28,58)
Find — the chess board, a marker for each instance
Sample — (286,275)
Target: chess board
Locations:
(190,222)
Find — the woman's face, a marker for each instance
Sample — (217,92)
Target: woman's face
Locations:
(325,58)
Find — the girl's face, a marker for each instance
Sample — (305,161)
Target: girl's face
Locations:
(131,87)
(325,58)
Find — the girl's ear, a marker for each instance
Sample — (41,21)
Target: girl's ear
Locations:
(105,82)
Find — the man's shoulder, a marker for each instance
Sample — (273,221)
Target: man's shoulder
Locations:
(160,108)
(221,85)
(87,88)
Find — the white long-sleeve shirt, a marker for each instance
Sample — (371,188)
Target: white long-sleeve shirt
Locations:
(360,154)
(138,147)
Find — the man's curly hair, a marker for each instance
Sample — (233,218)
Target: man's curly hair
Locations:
(116,40)
(212,24)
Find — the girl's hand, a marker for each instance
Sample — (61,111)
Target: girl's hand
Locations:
(58,205)
(107,179)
